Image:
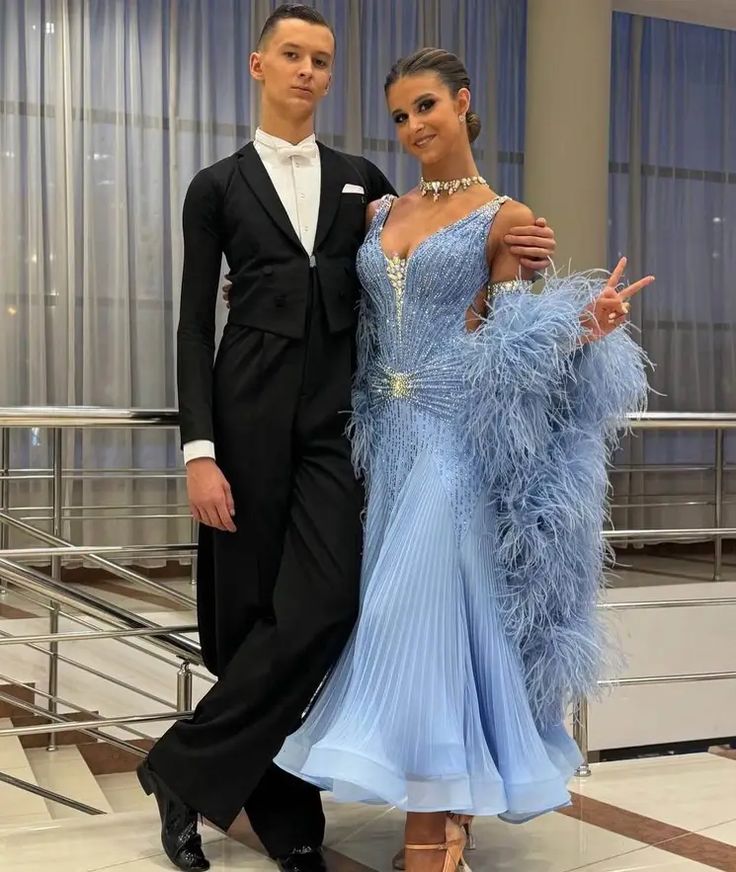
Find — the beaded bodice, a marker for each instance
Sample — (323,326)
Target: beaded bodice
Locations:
(412,356)
(415,309)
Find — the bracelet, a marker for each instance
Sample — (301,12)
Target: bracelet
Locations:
(511,286)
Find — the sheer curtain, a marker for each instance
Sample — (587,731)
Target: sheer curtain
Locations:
(107,109)
(673,212)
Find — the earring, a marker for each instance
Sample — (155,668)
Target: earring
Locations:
(462,119)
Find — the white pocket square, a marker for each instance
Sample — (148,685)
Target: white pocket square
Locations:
(353,189)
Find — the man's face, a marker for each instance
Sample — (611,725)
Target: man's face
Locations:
(295,66)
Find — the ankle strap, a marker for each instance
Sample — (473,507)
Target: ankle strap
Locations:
(442,846)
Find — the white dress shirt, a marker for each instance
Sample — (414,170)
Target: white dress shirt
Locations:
(296,173)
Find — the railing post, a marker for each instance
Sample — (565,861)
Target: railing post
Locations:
(4,493)
(195,538)
(184,687)
(57,493)
(580,734)
(718,507)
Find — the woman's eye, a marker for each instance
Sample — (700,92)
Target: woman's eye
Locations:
(400,119)
(426,105)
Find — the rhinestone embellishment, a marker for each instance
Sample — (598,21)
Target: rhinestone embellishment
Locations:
(400,385)
(396,270)
(449,187)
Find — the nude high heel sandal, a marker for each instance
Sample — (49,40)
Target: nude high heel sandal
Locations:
(453,846)
(399,859)
(466,822)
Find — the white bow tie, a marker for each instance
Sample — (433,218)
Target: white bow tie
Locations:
(307,150)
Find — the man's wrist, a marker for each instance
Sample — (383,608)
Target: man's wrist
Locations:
(198,449)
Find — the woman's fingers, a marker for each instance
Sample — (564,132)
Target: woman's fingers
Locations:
(616,274)
(629,291)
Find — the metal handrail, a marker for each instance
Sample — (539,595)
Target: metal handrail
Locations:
(68,725)
(108,565)
(86,416)
(680,420)
(83,550)
(77,709)
(668,604)
(45,474)
(60,418)
(581,706)
(669,467)
(101,416)
(674,534)
(580,713)
(96,607)
(76,619)
(101,634)
(28,582)
(122,720)
(90,670)
(667,679)
(129,550)
(49,794)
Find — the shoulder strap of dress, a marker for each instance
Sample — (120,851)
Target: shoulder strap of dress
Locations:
(495,204)
(384,207)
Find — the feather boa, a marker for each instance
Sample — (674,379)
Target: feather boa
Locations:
(542,421)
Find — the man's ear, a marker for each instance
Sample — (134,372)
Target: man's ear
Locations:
(256,66)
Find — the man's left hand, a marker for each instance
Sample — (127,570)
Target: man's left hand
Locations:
(534,245)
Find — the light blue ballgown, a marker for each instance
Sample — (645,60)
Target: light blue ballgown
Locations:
(485,462)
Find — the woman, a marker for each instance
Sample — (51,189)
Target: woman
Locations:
(481,418)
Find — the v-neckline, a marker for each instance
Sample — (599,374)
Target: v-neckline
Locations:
(405,259)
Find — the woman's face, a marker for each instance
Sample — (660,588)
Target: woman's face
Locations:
(427,116)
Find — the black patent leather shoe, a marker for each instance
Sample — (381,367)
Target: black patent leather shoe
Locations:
(302,860)
(179,837)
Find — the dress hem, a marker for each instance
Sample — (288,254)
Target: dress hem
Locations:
(355,778)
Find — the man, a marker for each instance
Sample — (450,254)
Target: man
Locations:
(268,465)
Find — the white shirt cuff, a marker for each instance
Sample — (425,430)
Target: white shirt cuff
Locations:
(198,448)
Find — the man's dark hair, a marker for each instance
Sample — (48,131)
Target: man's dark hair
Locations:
(292,10)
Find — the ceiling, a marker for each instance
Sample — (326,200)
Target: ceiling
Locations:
(714,13)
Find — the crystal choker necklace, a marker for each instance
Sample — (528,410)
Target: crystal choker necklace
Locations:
(449,187)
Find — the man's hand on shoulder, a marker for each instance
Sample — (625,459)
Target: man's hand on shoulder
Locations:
(529,239)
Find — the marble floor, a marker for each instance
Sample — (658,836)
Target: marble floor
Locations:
(673,814)
(666,814)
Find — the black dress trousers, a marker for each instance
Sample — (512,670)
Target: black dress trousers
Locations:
(277,600)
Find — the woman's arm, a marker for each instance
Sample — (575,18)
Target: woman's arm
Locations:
(504,266)
(600,317)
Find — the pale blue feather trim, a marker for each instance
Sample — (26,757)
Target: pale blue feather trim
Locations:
(542,421)
(361,427)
